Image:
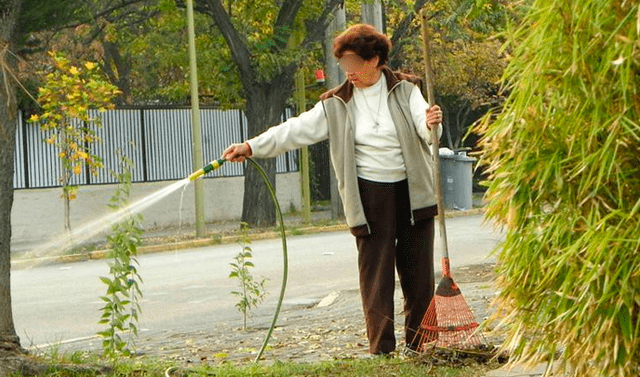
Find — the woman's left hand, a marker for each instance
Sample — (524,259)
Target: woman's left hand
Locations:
(434,116)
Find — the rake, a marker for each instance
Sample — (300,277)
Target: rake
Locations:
(448,321)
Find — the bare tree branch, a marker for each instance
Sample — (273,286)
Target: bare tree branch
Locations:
(316,28)
(401,31)
(237,45)
(106,12)
(8,17)
(287,15)
(406,21)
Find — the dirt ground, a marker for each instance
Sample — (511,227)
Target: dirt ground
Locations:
(332,328)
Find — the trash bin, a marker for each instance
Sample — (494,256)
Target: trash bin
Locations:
(457,179)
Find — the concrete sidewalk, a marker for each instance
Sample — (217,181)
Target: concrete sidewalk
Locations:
(522,371)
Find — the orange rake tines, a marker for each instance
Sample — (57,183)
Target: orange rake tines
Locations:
(448,322)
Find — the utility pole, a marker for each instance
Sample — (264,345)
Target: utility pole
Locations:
(372,14)
(195,123)
(304,151)
(334,77)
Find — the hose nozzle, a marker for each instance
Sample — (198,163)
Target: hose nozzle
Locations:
(213,165)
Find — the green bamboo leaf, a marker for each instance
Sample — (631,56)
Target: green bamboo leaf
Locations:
(625,322)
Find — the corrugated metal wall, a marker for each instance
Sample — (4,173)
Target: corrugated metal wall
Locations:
(158,141)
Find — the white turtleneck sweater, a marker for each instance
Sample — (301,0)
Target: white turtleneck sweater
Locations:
(378,152)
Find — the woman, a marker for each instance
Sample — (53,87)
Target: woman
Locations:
(378,125)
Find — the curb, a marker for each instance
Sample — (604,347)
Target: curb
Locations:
(203,242)
(180,245)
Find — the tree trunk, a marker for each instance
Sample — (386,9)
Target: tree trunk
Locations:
(446,125)
(64,182)
(265,100)
(462,125)
(121,76)
(400,34)
(67,210)
(257,207)
(461,120)
(265,106)
(9,341)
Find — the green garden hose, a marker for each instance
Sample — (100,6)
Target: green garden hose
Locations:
(285,262)
(215,164)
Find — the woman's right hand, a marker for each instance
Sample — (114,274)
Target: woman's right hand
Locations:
(237,152)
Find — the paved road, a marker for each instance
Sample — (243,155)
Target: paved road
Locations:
(190,289)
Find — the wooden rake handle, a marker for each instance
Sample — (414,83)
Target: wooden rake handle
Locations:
(435,142)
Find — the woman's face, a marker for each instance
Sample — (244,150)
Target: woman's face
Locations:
(362,73)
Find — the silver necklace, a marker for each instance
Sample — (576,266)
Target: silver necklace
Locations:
(376,120)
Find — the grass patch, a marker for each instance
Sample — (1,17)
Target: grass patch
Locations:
(81,364)
(344,368)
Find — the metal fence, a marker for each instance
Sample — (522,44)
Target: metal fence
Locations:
(157,140)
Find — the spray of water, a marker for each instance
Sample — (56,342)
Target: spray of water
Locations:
(59,245)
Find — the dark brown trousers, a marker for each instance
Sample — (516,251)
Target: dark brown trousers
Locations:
(394,243)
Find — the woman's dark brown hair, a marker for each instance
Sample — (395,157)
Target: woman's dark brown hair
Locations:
(365,41)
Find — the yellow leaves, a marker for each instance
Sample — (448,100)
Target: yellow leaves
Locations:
(68,93)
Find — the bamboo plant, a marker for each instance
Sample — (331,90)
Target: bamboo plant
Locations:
(563,157)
